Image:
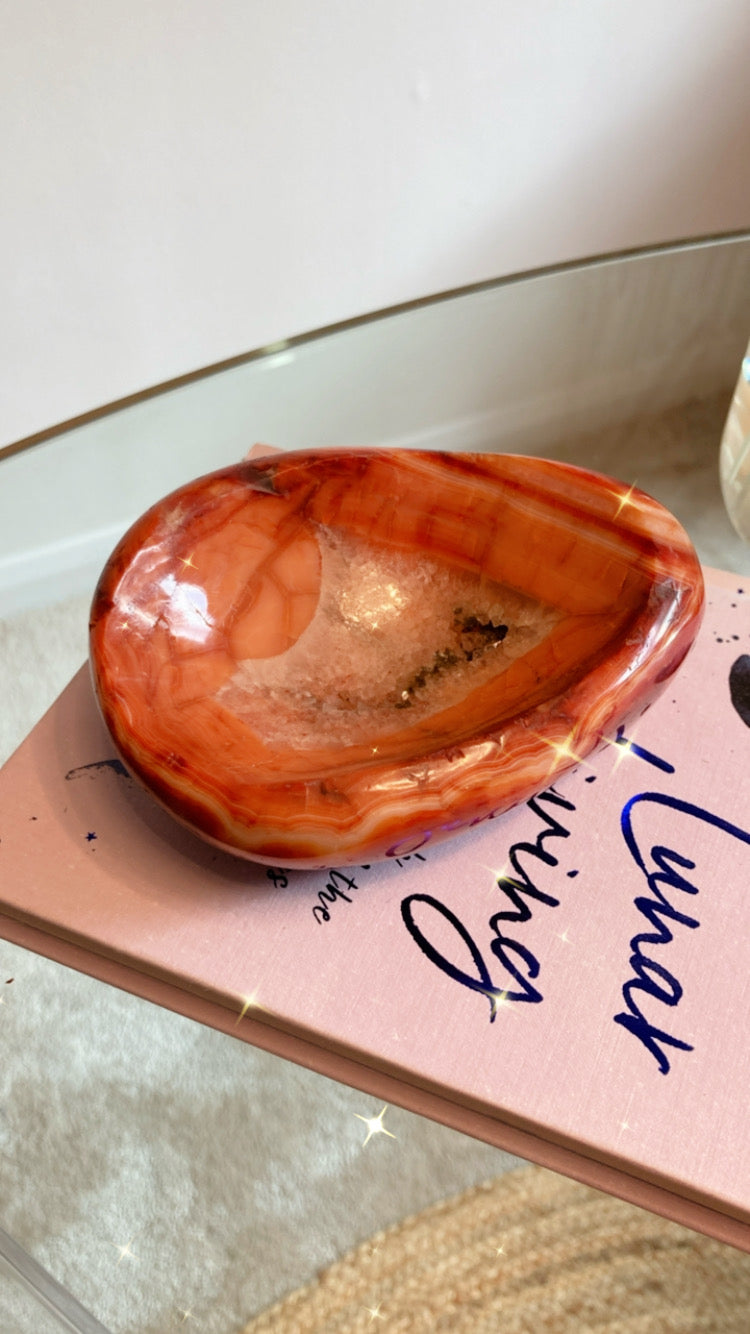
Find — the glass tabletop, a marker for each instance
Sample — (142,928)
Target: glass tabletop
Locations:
(167,1175)
(527,364)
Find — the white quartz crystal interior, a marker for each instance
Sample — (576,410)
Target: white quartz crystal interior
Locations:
(396,637)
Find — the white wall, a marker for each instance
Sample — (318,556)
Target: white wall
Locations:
(183,180)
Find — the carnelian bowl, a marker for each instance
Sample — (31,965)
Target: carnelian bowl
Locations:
(325,658)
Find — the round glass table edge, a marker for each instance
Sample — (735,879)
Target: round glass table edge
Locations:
(371,317)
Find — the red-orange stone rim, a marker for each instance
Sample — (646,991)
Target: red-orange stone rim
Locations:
(228,567)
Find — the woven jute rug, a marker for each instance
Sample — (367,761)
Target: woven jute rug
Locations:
(529,1252)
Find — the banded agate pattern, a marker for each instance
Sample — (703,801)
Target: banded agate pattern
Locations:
(318,659)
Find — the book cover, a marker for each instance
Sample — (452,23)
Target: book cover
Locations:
(569,981)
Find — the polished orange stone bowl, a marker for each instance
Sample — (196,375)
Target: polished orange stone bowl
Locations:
(319,659)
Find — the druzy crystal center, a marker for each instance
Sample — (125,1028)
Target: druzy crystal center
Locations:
(395,638)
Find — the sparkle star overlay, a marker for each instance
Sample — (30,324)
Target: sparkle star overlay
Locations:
(498,1000)
(374,1125)
(625,1125)
(625,746)
(249,1002)
(125,1251)
(624,499)
(563,750)
(497,874)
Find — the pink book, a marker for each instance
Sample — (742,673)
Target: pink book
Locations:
(568,981)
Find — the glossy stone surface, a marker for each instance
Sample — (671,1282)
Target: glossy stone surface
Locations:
(327,658)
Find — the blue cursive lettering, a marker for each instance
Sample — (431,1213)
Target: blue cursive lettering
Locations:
(516,958)
(651,978)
